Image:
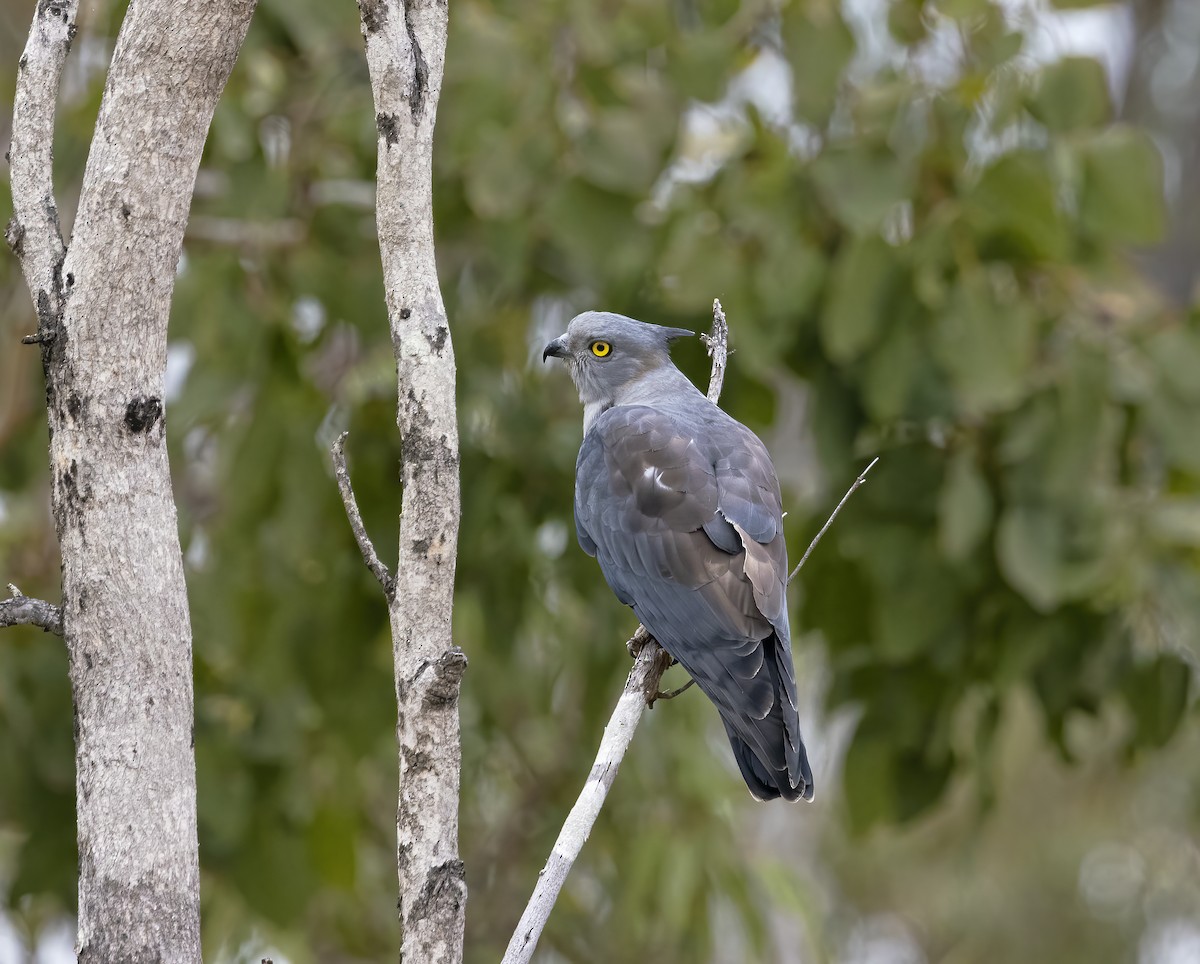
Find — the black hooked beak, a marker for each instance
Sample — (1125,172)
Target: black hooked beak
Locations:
(557,348)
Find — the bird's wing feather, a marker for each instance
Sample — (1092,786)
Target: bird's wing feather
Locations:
(684,522)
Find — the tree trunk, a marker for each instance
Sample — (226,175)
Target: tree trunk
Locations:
(103,312)
(406,47)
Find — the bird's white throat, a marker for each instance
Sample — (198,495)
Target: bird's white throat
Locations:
(593,410)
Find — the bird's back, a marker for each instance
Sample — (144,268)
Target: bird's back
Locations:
(681,507)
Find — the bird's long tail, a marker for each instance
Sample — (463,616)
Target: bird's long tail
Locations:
(774,762)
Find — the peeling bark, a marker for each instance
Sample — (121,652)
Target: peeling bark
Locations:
(406,46)
(103,306)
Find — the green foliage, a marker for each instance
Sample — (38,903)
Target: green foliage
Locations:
(945,280)
(1071,94)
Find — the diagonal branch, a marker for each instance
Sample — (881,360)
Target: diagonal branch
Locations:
(643,678)
(380,571)
(34,234)
(22,610)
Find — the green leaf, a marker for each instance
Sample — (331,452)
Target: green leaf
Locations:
(986,347)
(498,179)
(867,780)
(701,64)
(1029,544)
(1157,692)
(788,278)
(1121,198)
(859,298)
(332,845)
(1071,94)
(1176,521)
(1174,352)
(963,9)
(965,507)
(906,21)
(891,372)
(1016,211)
(623,151)
(819,46)
(992,42)
(699,262)
(919,783)
(919,618)
(861,184)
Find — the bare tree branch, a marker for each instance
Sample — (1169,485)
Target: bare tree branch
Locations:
(34,234)
(643,678)
(406,49)
(21,610)
(717,342)
(641,690)
(338,452)
(862,477)
(718,350)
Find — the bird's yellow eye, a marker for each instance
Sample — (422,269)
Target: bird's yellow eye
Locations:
(601,348)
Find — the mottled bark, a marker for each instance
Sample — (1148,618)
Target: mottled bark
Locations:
(103,305)
(406,47)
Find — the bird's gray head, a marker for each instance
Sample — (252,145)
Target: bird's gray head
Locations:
(607,353)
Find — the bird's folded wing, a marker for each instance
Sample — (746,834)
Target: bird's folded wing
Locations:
(674,521)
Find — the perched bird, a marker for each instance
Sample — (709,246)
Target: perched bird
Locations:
(680,505)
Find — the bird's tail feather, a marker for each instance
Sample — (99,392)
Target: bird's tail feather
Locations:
(766,783)
(768,776)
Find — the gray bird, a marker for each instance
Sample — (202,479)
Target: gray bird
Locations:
(680,505)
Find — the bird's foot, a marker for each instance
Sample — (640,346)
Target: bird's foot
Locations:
(637,641)
(671,694)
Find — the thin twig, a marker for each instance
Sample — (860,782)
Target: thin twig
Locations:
(862,477)
(23,610)
(641,690)
(338,452)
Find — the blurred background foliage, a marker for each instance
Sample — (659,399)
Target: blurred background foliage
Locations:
(939,237)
